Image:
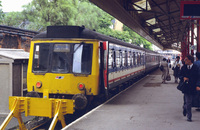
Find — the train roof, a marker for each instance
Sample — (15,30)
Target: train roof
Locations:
(61,32)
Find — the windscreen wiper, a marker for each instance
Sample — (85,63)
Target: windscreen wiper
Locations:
(78,46)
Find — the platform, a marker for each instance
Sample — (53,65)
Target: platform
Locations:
(147,105)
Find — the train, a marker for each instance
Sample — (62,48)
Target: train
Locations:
(71,65)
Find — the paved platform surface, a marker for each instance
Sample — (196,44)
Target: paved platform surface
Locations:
(147,105)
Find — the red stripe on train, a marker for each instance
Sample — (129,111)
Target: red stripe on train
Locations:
(124,76)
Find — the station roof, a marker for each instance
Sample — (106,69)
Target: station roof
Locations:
(17,31)
(14,54)
(158,21)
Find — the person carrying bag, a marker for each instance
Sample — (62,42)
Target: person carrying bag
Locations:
(183,86)
(188,76)
(165,70)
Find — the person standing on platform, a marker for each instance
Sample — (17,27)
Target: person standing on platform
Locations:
(169,62)
(189,72)
(165,70)
(176,68)
(197,62)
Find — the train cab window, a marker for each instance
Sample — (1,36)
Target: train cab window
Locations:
(61,58)
(41,57)
(82,58)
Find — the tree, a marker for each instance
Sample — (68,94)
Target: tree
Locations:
(13,19)
(86,15)
(137,39)
(43,13)
(1,12)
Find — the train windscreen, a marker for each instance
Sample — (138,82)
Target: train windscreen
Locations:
(62,58)
(40,57)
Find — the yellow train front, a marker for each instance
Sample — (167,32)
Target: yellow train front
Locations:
(62,76)
(64,68)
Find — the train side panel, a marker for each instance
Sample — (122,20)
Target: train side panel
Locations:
(124,63)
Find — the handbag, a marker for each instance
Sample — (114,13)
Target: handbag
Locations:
(161,68)
(183,87)
(168,77)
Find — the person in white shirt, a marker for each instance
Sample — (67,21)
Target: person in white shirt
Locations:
(165,70)
(177,68)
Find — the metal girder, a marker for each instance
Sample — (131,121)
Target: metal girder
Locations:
(166,12)
(117,9)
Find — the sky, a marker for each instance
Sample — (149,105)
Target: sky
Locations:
(13,5)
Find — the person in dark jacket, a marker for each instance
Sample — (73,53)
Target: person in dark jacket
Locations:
(197,62)
(189,73)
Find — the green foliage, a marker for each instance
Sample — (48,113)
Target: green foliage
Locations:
(1,12)
(86,15)
(137,39)
(13,19)
(41,13)
(50,12)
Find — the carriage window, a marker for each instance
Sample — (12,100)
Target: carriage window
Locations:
(40,57)
(134,63)
(129,58)
(61,58)
(110,59)
(142,59)
(119,58)
(114,59)
(136,60)
(82,58)
(123,58)
(126,58)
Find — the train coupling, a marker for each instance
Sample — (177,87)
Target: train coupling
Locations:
(43,107)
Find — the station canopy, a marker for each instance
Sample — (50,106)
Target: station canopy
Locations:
(158,21)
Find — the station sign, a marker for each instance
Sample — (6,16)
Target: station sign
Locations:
(190,10)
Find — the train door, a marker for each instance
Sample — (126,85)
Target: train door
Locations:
(103,78)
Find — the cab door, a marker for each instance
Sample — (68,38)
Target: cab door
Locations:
(104,68)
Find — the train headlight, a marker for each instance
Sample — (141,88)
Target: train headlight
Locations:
(39,84)
(81,86)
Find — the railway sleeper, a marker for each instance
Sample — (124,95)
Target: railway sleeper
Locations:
(42,107)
